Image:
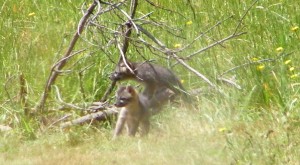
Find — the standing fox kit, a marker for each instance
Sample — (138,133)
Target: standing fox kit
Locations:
(154,77)
(134,112)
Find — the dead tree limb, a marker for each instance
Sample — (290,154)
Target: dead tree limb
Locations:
(53,73)
(101,115)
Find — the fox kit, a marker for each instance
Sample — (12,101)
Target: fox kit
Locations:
(155,78)
(134,112)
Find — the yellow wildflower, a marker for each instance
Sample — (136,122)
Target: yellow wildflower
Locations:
(222,129)
(294,28)
(260,67)
(291,69)
(279,49)
(254,59)
(177,45)
(287,62)
(182,81)
(31,14)
(294,76)
(189,22)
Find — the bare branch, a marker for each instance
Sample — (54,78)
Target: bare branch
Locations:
(255,62)
(243,17)
(193,70)
(61,101)
(58,121)
(192,8)
(204,33)
(124,58)
(230,82)
(108,91)
(215,43)
(159,7)
(101,115)
(148,34)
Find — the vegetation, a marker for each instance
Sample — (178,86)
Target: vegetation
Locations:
(257,124)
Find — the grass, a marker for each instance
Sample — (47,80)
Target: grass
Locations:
(258,124)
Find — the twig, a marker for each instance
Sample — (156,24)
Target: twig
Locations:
(153,4)
(204,33)
(57,121)
(66,58)
(80,74)
(192,8)
(148,34)
(61,101)
(243,17)
(233,35)
(124,58)
(108,91)
(193,70)
(229,82)
(215,43)
(255,62)
(134,4)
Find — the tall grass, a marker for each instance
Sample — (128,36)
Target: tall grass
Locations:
(258,124)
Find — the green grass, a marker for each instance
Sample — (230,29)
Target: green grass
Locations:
(258,124)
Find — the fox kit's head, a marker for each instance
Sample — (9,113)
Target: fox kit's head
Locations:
(122,72)
(125,96)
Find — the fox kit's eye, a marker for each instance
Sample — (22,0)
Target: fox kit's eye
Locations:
(125,100)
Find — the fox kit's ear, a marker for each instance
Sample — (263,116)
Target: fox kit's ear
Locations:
(131,90)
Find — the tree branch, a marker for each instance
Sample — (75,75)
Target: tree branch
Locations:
(133,7)
(101,115)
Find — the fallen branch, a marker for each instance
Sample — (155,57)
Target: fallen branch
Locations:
(101,115)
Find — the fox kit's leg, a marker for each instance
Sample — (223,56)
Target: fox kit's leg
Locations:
(132,126)
(120,123)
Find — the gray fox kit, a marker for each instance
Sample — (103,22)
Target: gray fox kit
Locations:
(134,112)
